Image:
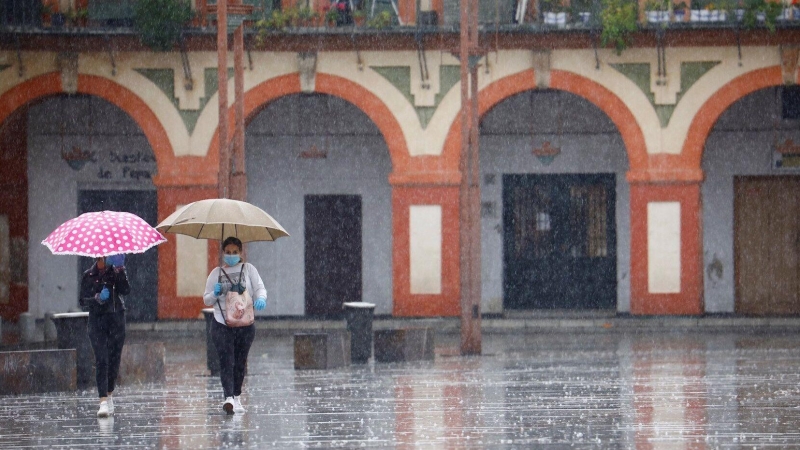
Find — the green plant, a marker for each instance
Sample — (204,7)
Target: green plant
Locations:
(768,12)
(382,20)
(332,15)
(656,5)
(619,19)
(160,22)
(306,16)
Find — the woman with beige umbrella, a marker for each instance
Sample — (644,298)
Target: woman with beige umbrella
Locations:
(231,287)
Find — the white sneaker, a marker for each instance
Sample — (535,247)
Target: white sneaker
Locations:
(227,406)
(237,405)
(103,411)
(110,405)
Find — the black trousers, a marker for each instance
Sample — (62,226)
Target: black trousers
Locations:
(233,345)
(107,335)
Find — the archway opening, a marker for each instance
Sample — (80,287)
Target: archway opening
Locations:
(555,209)
(320,166)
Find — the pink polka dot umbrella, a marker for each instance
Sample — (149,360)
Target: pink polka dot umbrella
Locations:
(105,233)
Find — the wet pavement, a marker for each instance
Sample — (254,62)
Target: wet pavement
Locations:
(695,389)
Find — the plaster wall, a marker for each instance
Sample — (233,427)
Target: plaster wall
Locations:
(53,186)
(741,143)
(357,163)
(589,144)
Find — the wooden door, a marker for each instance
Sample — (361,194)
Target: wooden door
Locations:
(332,253)
(767,245)
(559,241)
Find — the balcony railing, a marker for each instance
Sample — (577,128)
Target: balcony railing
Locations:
(325,15)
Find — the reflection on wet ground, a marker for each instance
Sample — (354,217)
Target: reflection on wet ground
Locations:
(609,390)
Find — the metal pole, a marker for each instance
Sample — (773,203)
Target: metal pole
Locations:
(223,181)
(239,176)
(469,231)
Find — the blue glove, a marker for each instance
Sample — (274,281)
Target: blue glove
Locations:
(104,294)
(260,303)
(217,289)
(116,260)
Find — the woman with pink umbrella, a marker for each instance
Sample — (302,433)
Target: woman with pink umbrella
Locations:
(106,236)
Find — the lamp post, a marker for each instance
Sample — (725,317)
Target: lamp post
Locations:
(231,183)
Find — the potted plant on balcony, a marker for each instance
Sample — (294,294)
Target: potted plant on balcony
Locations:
(77,17)
(619,20)
(709,12)
(160,22)
(554,12)
(47,14)
(359,17)
(332,16)
(381,20)
(657,11)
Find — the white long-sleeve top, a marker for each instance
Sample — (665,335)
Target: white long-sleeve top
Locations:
(252,281)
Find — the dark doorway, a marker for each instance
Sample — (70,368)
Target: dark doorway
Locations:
(766,245)
(142,303)
(333,253)
(559,241)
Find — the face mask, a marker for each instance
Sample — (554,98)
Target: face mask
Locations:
(231,260)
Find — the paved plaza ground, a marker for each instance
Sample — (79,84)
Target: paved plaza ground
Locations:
(605,389)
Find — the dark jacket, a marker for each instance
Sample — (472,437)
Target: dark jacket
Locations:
(93,282)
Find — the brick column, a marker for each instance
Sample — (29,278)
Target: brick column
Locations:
(666,248)
(418,300)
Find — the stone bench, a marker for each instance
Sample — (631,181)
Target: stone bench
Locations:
(404,344)
(321,350)
(37,371)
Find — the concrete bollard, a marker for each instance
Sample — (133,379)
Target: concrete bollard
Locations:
(27,327)
(50,333)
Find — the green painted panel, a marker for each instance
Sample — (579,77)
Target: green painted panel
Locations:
(165,80)
(639,73)
(693,71)
(400,77)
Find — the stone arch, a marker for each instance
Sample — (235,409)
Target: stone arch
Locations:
(119,96)
(257,98)
(721,100)
(579,85)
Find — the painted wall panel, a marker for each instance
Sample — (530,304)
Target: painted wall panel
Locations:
(192,266)
(425,229)
(664,247)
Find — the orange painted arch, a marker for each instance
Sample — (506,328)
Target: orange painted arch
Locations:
(608,102)
(722,99)
(259,97)
(169,171)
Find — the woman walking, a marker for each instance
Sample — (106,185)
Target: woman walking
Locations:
(233,342)
(102,288)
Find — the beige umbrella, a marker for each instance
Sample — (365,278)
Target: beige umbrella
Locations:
(219,218)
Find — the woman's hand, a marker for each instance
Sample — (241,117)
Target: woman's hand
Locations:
(260,303)
(104,294)
(218,289)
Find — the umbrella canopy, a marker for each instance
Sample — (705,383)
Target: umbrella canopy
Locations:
(105,233)
(219,218)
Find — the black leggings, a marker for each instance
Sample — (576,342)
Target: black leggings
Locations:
(107,335)
(233,345)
